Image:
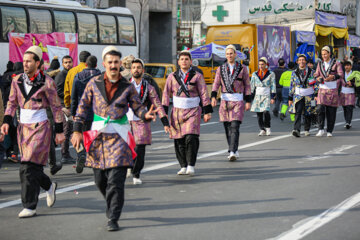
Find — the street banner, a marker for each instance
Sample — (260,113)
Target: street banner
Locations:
(354,41)
(273,43)
(305,37)
(308,50)
(330,19)
(52,43)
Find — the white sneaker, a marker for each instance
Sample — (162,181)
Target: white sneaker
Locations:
(268,131)
(237,154)
(25,213)
(307,133)
(232,157)
(137,181)
(320,133)
(329,134)
(262,133)
(51,195)
(128,173)
(190,170)
(182,171)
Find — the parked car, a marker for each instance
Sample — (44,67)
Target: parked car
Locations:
(160,72)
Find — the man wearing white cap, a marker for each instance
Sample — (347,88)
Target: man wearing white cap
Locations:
(264,85)
(233,78)
(330,76)
(187,88)
(33,92)
(109,143)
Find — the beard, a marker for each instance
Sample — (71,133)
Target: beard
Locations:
(137,75)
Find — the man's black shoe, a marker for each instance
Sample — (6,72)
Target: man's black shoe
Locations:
(296,133)
(276,113)
(80,163)
(282,116)
(54,169)
(112,225)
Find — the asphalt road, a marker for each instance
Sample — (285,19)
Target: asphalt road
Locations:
(281,188)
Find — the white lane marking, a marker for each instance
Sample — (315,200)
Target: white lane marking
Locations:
(164,165)
(304,227)
(336,151)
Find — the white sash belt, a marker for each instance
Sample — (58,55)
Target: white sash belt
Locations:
(304,91)
(110,127)
(235,97)
(32,116)
(263,91)
(328,85)
(347,90)
(186,103)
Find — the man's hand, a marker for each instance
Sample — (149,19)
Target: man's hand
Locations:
(213,102)
(151,114)
(5,129)
(167,129)
(2,136)
(59,138)
(290,103)
(247,106)
(330,78)
(207,117)
(272,101)
(76,139)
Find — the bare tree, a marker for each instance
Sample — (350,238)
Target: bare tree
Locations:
(97,3)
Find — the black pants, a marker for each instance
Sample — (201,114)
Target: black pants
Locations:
(330,113)
(299,108)
(232,131)
(186,149)
(52,152)
(278,99)
(32,177)
(68,128)
(261,116)
(111,182)
(139,160)
(348,113)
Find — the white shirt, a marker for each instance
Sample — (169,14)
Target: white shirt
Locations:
(138,87)
(347,75)
(183,75)
(27,87)
(231,67)
(326,65)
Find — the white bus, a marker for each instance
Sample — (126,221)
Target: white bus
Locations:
(96,28)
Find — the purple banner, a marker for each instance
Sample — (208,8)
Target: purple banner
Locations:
(305,37)
(274,43)
(330,19)
(354,41)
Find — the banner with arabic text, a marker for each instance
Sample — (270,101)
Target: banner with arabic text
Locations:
(330,19)
(57,42)
(305,37)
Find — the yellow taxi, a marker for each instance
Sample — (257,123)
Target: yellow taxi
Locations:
(160,72)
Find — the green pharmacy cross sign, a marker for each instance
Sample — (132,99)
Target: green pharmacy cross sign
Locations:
(220,13)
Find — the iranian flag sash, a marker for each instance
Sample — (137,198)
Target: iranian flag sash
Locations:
(107,125)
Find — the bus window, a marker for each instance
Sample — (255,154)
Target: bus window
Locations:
(126,30)
(87,28)
(13,20)
(64,22)
(40,21)
(107,27)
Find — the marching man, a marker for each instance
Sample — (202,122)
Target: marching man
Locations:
(142,129)
(109,143)
(187,88)
(233,78)
(33,92)
(303,89)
